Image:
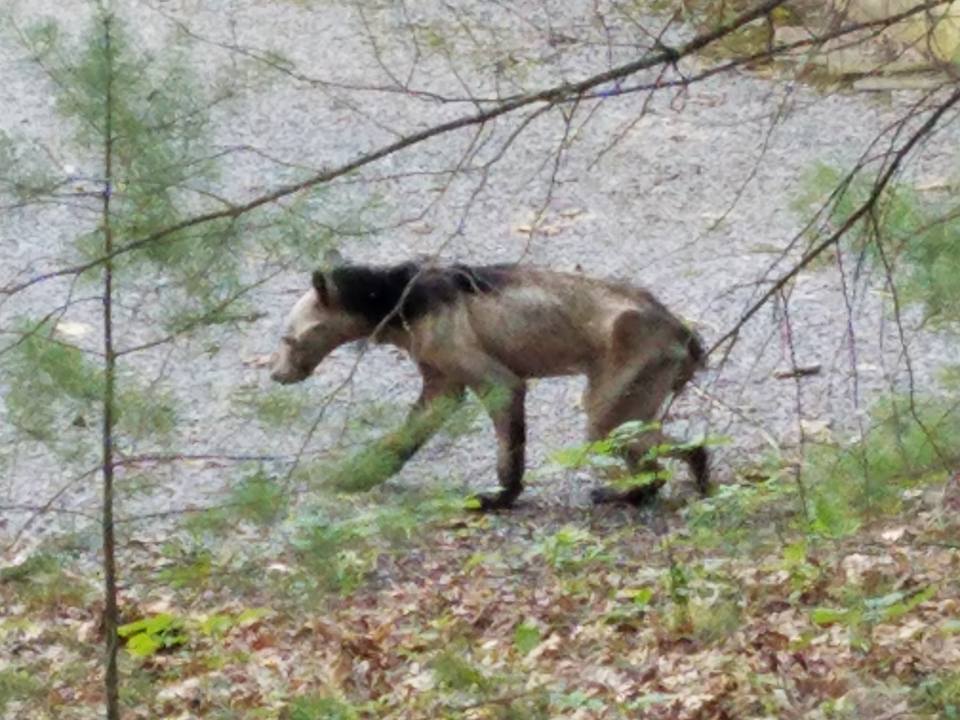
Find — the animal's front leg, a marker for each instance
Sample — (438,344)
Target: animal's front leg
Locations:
(506,409)
(438,399)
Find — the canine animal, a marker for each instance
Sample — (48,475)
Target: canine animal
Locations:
(490,329)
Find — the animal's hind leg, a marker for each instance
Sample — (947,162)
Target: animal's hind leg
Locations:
(610,402)
(696,458)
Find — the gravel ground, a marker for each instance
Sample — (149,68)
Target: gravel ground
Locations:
(688,195)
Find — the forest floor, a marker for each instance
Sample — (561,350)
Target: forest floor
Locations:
(716,609)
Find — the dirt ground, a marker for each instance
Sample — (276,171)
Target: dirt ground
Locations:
(687,193)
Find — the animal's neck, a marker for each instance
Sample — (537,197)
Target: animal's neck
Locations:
(373,293)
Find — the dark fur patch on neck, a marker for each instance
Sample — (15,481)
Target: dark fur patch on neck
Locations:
(405,293)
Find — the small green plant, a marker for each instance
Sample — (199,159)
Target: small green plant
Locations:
(17,685)
(526,637)
(338,540)
(217,625)
(606,455)
(637,605)
(862,614)
(258,498)
(576,700)
(38,564)
(603,453)
(43,583)
(454,672)
(338,554)
(164,631)
(209,523)
(192,569)
(152,634)
(570,548)
(741,515)
(804,576)
(908,444)
(716,620)
(677,585)
(321,707)
(938,696)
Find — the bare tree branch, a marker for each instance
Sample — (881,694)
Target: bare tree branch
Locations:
(875,194)
(550,96)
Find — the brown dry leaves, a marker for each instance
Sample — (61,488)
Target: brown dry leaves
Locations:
(611,632)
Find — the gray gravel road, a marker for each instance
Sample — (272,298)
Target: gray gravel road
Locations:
(688,194)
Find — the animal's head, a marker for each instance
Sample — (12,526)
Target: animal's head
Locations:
(316,326)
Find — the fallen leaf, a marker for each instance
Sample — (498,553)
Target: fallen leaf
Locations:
(72,330)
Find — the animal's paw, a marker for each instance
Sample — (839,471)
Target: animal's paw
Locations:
(488,502)
(602,495)
(642,495)
(637,496)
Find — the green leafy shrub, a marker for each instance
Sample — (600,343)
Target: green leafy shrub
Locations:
(938,696)
(43,583)
(908,443)
(258,498)
(570,548)
(863,613)
(454,672)
(17,685)
(152,634)
(918,234)
(526,637)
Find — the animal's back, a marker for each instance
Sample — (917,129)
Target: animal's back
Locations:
(541,323)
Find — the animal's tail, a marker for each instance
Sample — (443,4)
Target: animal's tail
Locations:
(696,359)
(695,349)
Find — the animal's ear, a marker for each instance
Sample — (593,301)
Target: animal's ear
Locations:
(320,285)
(332,258)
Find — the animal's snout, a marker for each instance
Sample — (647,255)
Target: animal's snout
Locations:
(284,372)
(276,368)
(281,377)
